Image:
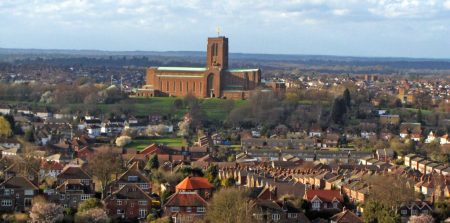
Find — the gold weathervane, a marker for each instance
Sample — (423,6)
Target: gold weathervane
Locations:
(218,30)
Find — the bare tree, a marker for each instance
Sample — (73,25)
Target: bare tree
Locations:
(103,164)
(46,212)
(238,207)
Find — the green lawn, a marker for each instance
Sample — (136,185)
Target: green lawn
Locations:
(140,144)
(215,109)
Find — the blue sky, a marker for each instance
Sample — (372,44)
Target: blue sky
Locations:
(406,28)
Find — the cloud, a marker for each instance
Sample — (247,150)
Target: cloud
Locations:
(340,12)
(447,4)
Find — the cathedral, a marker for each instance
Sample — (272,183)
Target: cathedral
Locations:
(216,80)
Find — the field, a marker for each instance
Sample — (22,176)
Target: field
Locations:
(215,109)
(140,144)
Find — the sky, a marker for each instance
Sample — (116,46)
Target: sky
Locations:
(380,28)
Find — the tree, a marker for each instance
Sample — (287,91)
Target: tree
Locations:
(230,205)
(44,212)
(153,162)
(338,110)
(347,98)
(103,164)
(5,127)
(88,204)
(228,182)
(419,116)
(122,141)
(29,135)
(95,215)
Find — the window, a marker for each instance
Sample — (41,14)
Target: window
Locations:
(119,202)
(142,213)
(29,192)
(62,196)
(27,202)
(143,186)
(275,217)
(85,197)
(132,178)
(6,203)
(316,204)
(6,192)
(188,209)
(174,209)
(120,211)
(404,212)
(324,205)
(425,212)
(335,205)
(292,215)
(200,209)
(142,202)
(259,216)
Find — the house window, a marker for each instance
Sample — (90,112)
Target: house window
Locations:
(200,209)
(425,212)
(292,215)
(404,212)
(27,202)
(119,202)
(174,209)
(132,204)
(62,196)
(413,212)
(142,203)
(29,192)
(6,192)
(275,217)
(132,178)
(335,205)
(120,211)
(85,197)
(144,186)
(324,205)
(316,204)
(142,213)
(188,209)
(6,203)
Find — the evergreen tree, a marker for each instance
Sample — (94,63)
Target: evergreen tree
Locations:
(153,162)
(419,116)
(347,98)
(338,111)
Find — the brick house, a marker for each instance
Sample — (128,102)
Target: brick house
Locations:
(129,202)
(133,175)
(283,212)
(324,200)
(185,207)
(16,194)
(200,185)
(74,185)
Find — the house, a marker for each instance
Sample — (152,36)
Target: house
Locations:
(414,208)
(324,200)
(93,131)
(431,138)
(272,211)
(408,159)
(50,169)
(16,194)
(74,186)
(185,207)
(5,110)
(385,155)
(11,152)
(415,162)
(10,143)
(413,130)
(345,216)
(200,185)
(445,139)
(134,176)
(129,202)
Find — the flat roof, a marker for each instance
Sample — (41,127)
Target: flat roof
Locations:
(182,68)
(242,70)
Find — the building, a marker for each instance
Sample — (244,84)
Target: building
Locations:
(324,200)
(185,207)
(216,80)
(200,185)
(130,202)
(16,194)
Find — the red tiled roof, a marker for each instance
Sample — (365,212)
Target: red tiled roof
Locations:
(324,195)
(194,183)
(150,150)
(186,199)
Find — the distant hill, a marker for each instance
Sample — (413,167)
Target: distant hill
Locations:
(197,57)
